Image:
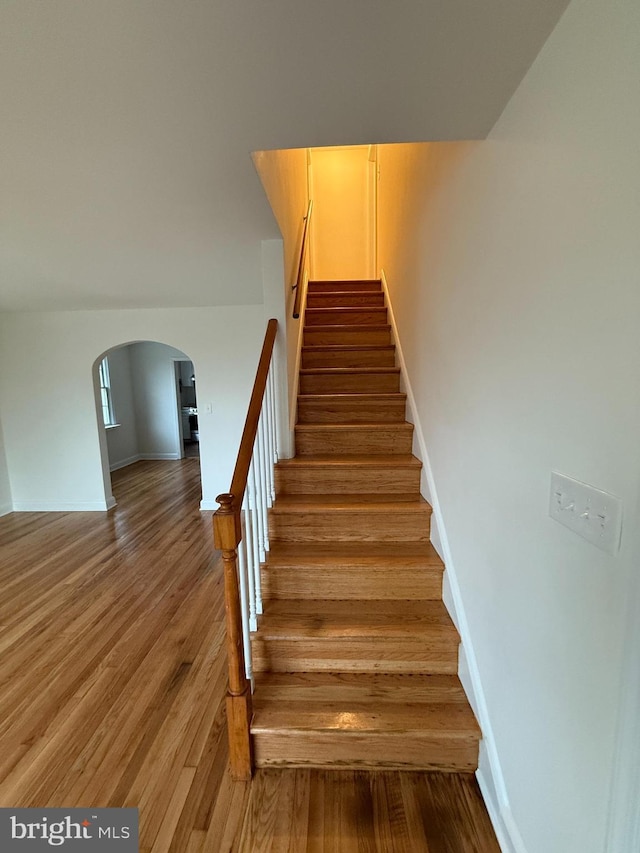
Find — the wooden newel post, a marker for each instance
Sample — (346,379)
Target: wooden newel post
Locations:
(227,533)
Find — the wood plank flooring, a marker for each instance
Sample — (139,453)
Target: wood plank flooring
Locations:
(112,685)
(322,811)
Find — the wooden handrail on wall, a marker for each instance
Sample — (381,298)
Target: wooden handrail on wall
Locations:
(227,533)
(301,266)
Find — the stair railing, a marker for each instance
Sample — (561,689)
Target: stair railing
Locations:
(240,531)
(304,248)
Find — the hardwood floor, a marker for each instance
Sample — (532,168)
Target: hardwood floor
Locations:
(327,811)
(112,685)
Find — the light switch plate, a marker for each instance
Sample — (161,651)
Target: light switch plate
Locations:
(591,513)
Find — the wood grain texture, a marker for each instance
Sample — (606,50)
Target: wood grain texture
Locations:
(349,518)
(397,570)
(346,299)
(339,286)
(351,585)
(339,316)
(355,636)
(340,719)
(355,408)
(113,665)
(315,811)
(112,692)
(349,474)
(348,356)
(337,380)
(342,335)
(347,439)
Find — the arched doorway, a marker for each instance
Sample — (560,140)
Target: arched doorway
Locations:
(146,407)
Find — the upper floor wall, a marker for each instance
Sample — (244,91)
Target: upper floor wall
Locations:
(127,127)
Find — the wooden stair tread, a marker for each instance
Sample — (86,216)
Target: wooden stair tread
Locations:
(363,294)
(362,717)
(347,309)
(377,571)
(353,283)
(341,371)
(388,687)
(364,619)
(354,396)
(365,328)
(399,460)
(353,553)
(321,348)
(355,657)
(352,503)
(364,427)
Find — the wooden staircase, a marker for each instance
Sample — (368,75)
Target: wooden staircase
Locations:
(355,659)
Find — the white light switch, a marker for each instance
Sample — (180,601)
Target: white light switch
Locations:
(591,513)
(209,409)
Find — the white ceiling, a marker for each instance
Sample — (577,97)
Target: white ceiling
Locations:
(127,126)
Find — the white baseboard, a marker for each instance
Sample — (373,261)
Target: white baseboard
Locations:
(504,825)
(111,502)
(623,830)
(492,776)
(5,509)
(124,462)
(158,456)
(131,460)
(61,506)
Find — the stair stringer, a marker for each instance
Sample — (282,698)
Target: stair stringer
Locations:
(489,774)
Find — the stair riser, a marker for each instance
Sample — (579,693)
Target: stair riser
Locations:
(346,358)
(338,286)
(364,383)
(345,316)
(347,479)
(332,440)
(355,689)
(345,300)
(348,526)
(393,583)
(364,336)
(346,654)
(338,750)
(344,412)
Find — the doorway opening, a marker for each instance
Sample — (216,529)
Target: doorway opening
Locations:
(188,405)
(147,408)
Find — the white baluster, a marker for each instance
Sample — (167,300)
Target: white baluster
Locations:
(271,420)
(248,546)
(264,476)
(257,470)
(266,415)
(253,503)
(274,417)
(261,522)
(244,605)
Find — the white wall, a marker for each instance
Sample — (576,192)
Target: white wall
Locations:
(122,441)
(127,127)
(284,178)
(513,269)
(5,486)
(154,385)
(342,188)
(53,455)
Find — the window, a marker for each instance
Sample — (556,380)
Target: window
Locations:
(105,394)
